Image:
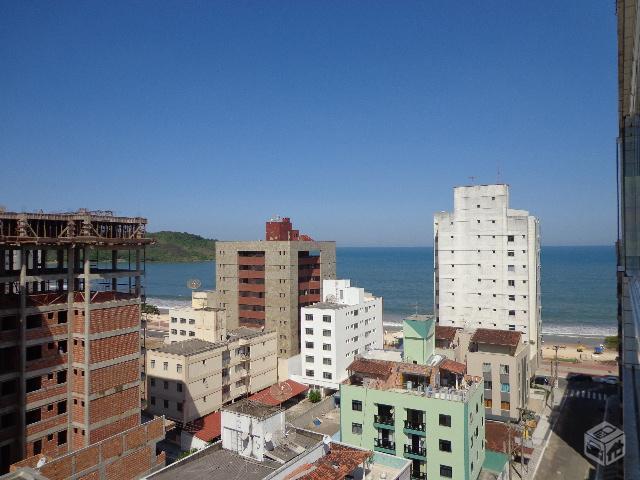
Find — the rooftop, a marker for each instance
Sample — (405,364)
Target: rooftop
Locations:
(446,333)
(419,317)
(206,428)
(335,465)
(246,333)
(189,347)
(273,396)
(509,338)
(252,408)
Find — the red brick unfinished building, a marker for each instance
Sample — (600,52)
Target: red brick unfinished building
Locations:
(69,330)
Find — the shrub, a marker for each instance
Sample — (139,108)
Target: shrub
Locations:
(314,396)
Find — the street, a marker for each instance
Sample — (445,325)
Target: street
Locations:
(582,408)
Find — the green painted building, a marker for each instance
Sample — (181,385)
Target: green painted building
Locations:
(418,332)
(432,415)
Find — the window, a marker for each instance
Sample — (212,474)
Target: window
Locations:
(445,445)
(183,333)
(308,316)
(34,384)
(178,368)
(510,238)
(34,321)
(512,283)
(505,406)
(488,403)
(179,387)
(488,384)
(183,320)
(166,385)
(512,313)
(512,327)
(174,331)
(308,331)
(308,358)
(326,375)
(153,400)
(326,333)
(153,364)
(446,471)
(61,407)
(326,361)
(326,318)
(511,253)
(444,420)
(356,428)
(326,347)
(37,447)
(33,416)
(174,320)
(62,437)
(61,377)
(505,387)
(486,367)
(192,321)
(309,373)
(511,268)
(356,405)
(165,366)
(512,298)
(308,344)
(179,405)
(153,382)
(192,334)
(34,352)
(504,369)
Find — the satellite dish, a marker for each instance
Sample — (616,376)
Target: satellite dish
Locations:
(331,299)
(194,283)
(41,462)
(281,391)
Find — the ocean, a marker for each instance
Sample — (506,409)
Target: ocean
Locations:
(578,284)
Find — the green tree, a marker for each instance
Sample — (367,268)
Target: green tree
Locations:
(150,309)
(314,396)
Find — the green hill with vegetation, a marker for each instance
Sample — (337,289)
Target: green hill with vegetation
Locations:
(180,247)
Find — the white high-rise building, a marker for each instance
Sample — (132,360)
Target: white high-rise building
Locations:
(487,265)
(347,322)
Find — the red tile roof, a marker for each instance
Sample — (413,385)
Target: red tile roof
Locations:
(265,396)
(446,333)
(497,437)
(336,465)
(372,367)
(497,337)
(206,428)
(452,366)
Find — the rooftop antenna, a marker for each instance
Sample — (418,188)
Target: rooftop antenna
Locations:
(472,178)
(416,305)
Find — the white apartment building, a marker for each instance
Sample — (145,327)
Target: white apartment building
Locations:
(201,320)
(347,322)
(487,265)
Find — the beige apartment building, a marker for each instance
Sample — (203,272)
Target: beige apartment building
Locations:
(189,379)
(263,284)
(198,321)
(500,357)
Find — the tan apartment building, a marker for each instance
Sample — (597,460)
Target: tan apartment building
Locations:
(198,321)
(189,379)
(265,283)
(500,357)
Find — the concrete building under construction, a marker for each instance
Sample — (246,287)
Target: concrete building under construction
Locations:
(70,294)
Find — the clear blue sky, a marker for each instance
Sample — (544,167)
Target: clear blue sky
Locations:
(356,119)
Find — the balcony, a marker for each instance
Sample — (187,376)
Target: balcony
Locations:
(414,428)
(418,475)
(384,421)
(251,301)
(251,274)
(384,446)
(417,453)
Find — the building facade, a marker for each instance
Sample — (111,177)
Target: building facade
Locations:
(487,265)
(198,321)
(193,378)
(432,416)
(69,330)
(628,245)
(347,322)
(265,283)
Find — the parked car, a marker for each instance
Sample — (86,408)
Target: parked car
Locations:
(579,377)
(541,380)
(608,379)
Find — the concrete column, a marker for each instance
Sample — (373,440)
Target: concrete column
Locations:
(71,260)
(22,390)
(2,269)
(87,313)
(60,267)
(138,280)
(114,266)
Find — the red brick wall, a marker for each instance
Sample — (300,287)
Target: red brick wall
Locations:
(109,377)
(111,405)
(78,321)
(113,428)
(77,378)
(77,439)
(77,410)
(114,347)
(78,350)
(50,448)
(58,470)
(49,388)
(134,464)
(115,318)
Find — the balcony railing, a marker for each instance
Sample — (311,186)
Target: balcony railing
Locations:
(386,420)
(386,446)
(418,475)
(418,451)
(414,426)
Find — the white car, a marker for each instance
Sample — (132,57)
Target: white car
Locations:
(608,379)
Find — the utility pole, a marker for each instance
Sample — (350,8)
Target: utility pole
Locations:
(555,376)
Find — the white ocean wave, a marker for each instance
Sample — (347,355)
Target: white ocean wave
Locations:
(167,303)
